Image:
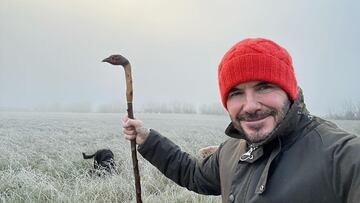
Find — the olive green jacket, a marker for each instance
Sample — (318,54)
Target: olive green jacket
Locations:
(305,160)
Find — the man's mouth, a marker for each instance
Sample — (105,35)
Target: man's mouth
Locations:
(257,118)
(255,123)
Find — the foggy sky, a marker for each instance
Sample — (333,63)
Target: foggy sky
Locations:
(51,50)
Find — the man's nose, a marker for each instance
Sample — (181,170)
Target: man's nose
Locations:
(251,103)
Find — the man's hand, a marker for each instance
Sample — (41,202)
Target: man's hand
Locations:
(134,129)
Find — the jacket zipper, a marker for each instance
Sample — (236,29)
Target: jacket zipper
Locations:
(248,155)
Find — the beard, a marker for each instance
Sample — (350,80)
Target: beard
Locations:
(257,134)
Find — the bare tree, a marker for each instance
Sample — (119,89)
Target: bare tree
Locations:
(170,107)
(357,111)
(114,107)
(350,111)
(214,108)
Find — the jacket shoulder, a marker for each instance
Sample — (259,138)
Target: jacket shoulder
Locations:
(344,149)
(330,133)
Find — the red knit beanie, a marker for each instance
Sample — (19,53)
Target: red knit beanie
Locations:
(256,59)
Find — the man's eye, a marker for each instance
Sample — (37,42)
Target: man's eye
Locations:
(265,87)
(232,94)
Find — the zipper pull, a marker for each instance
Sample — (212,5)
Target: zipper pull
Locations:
(248,155)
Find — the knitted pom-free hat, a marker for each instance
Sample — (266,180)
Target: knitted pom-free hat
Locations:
(256,59)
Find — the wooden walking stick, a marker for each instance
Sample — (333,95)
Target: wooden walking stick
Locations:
(120,60)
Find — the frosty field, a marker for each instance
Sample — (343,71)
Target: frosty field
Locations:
(41,157)
(41,161)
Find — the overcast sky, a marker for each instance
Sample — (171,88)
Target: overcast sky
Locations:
(51,50)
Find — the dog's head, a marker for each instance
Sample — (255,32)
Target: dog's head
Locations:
(106,164)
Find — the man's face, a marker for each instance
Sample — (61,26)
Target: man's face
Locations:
(256,108)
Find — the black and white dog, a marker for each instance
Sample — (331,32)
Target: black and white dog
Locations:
(103,162)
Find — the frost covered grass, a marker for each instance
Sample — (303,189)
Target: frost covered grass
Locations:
(41,157)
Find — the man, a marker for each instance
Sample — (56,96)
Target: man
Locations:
(277,151)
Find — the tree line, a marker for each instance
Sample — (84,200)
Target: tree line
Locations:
(120,107)
(349,111)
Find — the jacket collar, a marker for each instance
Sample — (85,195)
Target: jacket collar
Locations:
(286,127)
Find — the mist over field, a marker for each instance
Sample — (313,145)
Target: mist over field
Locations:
(41,158)
(51,51)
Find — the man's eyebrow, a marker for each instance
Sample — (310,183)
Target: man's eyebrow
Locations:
(262,83)
(234,89)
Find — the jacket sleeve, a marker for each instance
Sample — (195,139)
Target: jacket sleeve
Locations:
(180,167)
(346,169)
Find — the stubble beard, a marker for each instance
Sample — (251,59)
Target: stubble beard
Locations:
(258,135)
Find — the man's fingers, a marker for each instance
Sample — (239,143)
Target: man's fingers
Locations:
(130,131)
(131,123)
(129,137)
(124,118)
(134,129)
(130,128)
